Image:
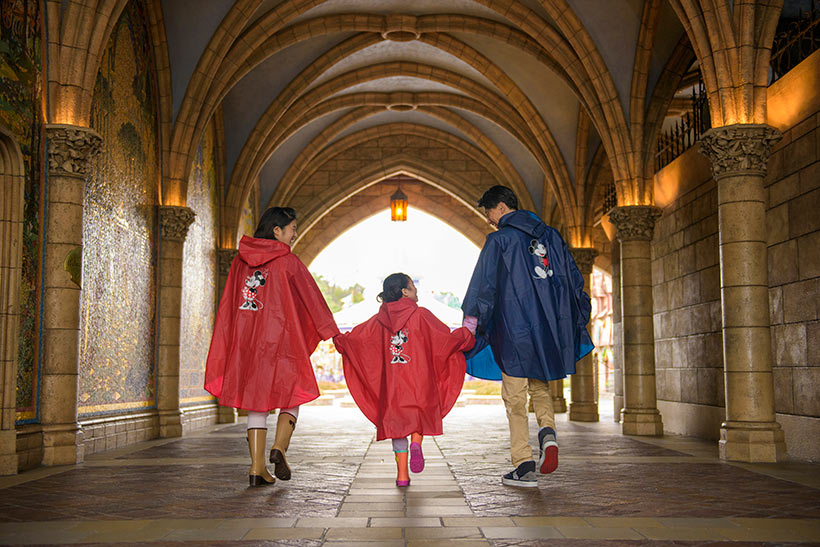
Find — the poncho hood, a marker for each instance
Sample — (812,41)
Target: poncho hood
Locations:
(256,251)
(394,315)
(525,221)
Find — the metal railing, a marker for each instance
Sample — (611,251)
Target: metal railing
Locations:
(794,41)
(687,131)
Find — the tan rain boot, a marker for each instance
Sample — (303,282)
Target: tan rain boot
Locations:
(285,424)
(259,475)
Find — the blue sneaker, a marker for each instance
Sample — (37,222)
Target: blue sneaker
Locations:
(524,475)
(548,455)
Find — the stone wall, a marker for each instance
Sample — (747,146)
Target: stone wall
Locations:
(686,277)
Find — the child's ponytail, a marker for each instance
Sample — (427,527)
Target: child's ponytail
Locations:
(392,286)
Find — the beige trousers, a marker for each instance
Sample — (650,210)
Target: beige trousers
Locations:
(514,394)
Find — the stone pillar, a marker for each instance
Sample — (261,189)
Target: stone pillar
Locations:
(635,225)
(559,402)
(224,257)
(12,182)
(174,223)
(617,336)
(70,151)
(584,404)
(739,154)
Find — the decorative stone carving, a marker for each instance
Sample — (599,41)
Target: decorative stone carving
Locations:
(71,149)
(739,149)
(634,221)
(225,258)
(584,258)
(174,222)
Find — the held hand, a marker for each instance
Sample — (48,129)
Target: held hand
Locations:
(470,322)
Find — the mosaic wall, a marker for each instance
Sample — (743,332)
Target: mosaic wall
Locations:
(199,274)
(250,212)
(117,361)
(21,113)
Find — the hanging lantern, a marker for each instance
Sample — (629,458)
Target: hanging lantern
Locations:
(398,206)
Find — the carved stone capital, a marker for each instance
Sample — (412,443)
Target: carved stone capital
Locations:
(739,149)
(584,258)
(634,221)
(174,222)
(225,258)
(71,149)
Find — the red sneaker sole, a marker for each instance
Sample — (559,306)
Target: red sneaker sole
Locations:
(550,462)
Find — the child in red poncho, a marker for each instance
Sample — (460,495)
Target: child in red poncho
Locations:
(405,370)
(270,319)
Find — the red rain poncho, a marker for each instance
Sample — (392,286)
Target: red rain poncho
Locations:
(404,368)
(270,319)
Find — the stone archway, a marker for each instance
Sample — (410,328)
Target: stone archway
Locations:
(12,181)
(375,198)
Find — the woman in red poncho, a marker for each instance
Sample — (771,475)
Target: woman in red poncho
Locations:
(270,319)
(405,370)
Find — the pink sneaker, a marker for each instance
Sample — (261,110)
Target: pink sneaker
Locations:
(402,483)
(416,458)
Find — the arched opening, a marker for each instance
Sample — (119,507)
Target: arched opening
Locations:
(12,180)
(351,267)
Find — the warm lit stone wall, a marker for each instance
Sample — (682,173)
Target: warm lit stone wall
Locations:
(686,277)
(118,309)
(199,275)
(21,98)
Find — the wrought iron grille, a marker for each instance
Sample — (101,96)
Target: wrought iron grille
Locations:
(610,197)
(795,40)
(687,131)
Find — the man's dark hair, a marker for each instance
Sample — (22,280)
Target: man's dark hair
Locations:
(498,194)
(273,217)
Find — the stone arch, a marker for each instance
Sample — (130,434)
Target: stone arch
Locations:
(357,160)
(733,43)
(485,153)
(12,181)
(668,83)
(374,199)
(258,34)
(269,130)
(507,118)
(316,206)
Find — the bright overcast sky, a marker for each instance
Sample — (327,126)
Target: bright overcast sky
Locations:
(425,248)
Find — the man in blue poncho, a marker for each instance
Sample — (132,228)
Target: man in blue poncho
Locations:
(527,306)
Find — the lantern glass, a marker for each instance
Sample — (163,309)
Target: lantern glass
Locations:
(398,206)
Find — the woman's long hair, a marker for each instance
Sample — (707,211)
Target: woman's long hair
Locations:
(273,217)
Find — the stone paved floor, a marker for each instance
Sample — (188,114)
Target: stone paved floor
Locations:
(608,490)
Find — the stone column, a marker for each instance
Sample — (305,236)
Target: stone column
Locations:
(635,225)
(559,403)
(224,257)
(739,154)
(12,183)
(617,337)
(174,223)
(70,151)
(584,404)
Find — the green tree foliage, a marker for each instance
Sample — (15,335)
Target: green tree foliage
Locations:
(335,296)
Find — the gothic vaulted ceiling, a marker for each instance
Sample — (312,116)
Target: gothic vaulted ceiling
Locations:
(534,94)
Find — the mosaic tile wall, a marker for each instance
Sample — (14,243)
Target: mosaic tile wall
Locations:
(199,274)
(21,113)
(117,360)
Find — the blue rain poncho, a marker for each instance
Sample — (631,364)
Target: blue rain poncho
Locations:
(528,296)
